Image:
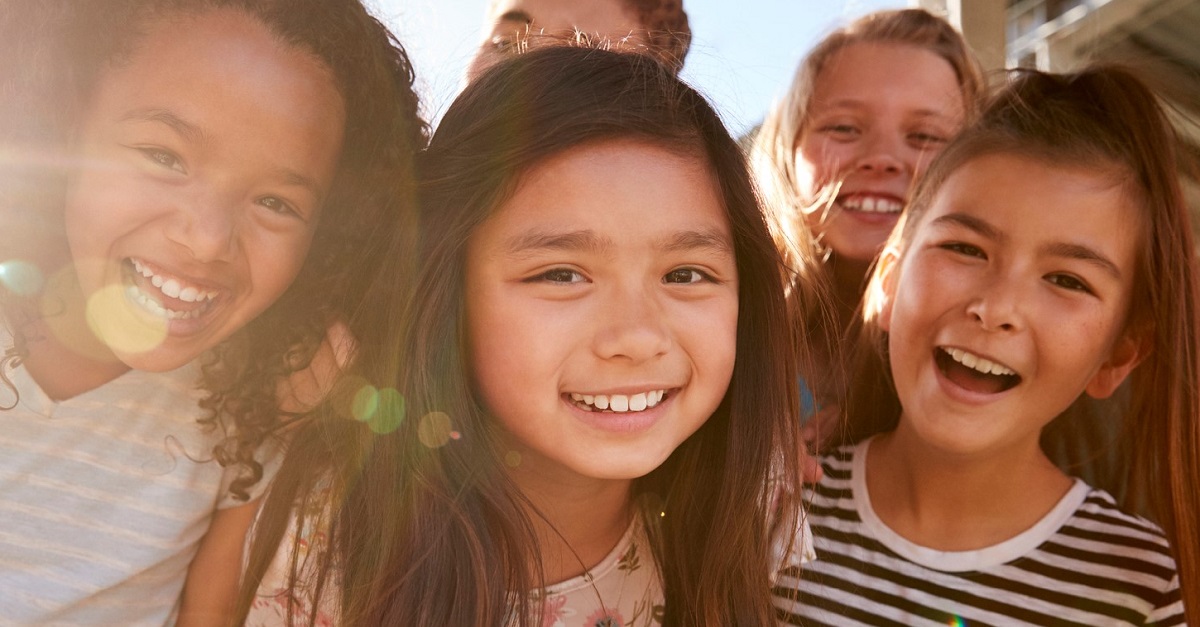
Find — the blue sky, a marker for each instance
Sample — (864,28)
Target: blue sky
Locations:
(742,57)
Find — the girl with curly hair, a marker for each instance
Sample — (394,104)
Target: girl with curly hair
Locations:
(190,190)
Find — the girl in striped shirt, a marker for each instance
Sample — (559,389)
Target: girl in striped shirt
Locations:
(1046,257)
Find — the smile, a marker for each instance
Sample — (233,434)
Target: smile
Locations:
(166,297)
(618,403)
(973,372)
(871,204)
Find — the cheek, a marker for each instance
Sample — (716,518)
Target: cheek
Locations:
(276,266)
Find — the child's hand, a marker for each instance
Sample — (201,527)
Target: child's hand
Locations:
(810,469)
(306,388)
(817,427)
(820,425)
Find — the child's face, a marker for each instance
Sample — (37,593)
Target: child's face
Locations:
(203,162)
(878,113)
(602,310)
(610,18)
(1010,302)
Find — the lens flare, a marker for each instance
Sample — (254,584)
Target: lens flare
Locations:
(512,458)
(435,430)
(365,404)
(20,277)
(957,621)
(110,317)
(389,412)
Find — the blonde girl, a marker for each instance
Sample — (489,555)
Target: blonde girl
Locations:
(837,156)
(1046,257)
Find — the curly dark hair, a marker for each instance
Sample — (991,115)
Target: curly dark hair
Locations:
(53,53)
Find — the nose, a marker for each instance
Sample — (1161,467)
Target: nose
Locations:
(632,328)
(997,306)
(882,154)
(206,224)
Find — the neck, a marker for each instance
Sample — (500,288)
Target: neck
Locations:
(960,502)
(848,278)
(578,523)
(64,357)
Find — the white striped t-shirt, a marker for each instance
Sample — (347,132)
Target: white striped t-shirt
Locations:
(1085,563)
(104,498)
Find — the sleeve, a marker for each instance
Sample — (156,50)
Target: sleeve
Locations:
(791,537)
(1169,612)
(270,455)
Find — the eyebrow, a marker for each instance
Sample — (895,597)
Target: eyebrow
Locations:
(1056,249)
(978,225)
(196,135)
(535,240)
(850,103)
(1085,254)
(292,177)
(710,239)
(189,131)
(589,241)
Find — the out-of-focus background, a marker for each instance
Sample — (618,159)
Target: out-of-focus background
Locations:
(744,52)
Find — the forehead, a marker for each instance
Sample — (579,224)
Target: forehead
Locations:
(1032,199)
(222,46)
(608,17)
(892,74)
(602,188)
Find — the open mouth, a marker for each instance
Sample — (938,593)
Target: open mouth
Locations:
(871,204)
(974,373)
(164,296)
(618,403)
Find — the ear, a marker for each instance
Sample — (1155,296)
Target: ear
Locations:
(1129,350)
(887,274)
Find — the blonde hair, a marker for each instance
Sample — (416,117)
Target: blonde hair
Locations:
(772,153)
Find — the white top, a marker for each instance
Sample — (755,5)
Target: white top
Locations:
(104,497)
(1084,563)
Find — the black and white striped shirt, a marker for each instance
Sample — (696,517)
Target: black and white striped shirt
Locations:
(1085,563)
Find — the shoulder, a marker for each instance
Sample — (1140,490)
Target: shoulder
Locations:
(1100,532)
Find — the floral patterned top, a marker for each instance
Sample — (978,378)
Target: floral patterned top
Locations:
(623,590)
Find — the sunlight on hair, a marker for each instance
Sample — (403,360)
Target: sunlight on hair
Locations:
(20,277)
(390,408)
(110,318)
(365,403)
(512,458)
(382,410)
(344,394)
(435,430)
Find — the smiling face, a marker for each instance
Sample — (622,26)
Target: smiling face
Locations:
(204,158)
(878,113)
(601,311)
(1010,301)
(510,19)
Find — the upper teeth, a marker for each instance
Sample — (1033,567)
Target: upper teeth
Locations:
(172,287)
(871,204)
(620,402)
(975,362)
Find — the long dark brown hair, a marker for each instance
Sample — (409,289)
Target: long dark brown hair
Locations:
(1102,117)
(54,52)
(442,536)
